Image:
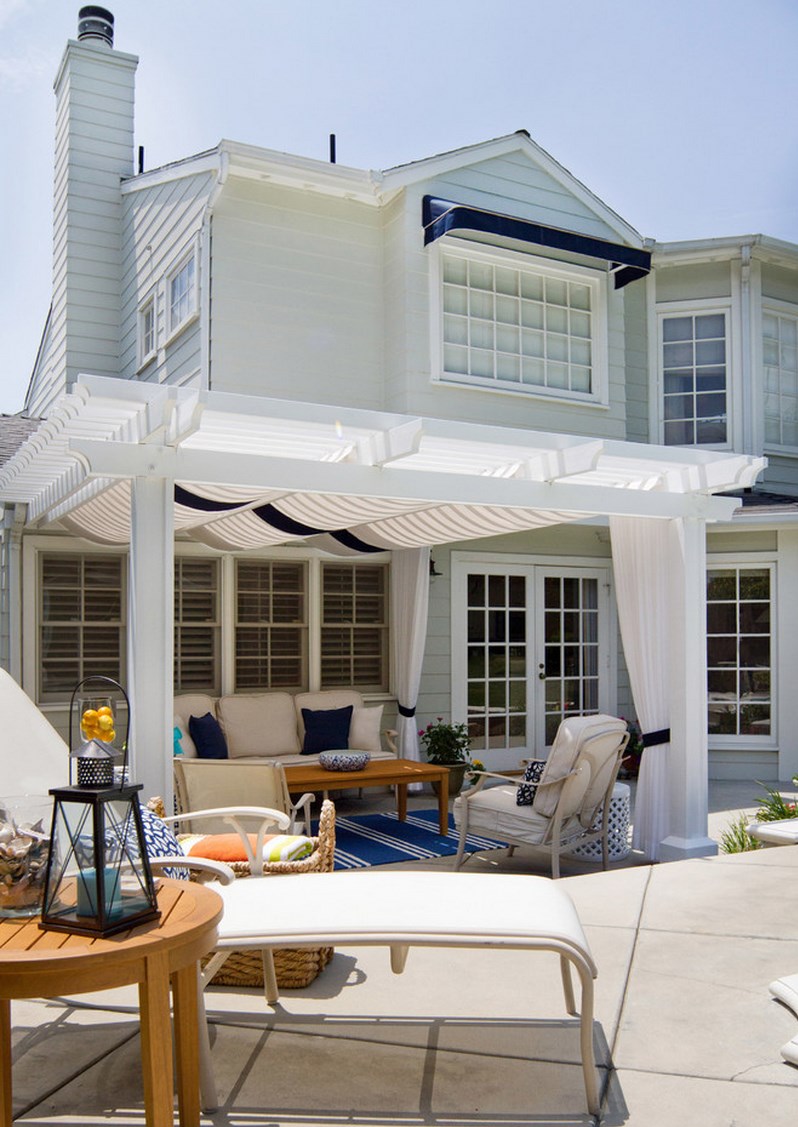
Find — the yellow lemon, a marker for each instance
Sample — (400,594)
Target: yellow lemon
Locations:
(89,717)
(109,737)
(105,711)
(105,723)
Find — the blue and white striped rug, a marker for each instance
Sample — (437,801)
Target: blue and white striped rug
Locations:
(381,839)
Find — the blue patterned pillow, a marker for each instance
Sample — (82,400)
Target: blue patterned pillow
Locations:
(525,795)
(161,842)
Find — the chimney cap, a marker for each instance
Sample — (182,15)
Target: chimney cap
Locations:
(96,23)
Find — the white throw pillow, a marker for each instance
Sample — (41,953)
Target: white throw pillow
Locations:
(364,731)
(186,742)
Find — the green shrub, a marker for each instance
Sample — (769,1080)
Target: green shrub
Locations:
(773,807)
(736,838)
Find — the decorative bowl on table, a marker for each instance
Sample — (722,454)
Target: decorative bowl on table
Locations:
(344,760)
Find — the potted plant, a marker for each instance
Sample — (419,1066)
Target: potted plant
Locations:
(630,764)
(447,745)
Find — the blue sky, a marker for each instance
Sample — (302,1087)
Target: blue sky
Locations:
(679,114)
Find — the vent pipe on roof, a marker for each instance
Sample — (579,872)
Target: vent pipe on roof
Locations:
(96,24)
(332,148)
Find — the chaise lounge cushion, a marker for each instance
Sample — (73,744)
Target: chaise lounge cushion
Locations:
(260,724)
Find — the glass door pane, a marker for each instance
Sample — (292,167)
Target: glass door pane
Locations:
(568,663)
(496,661)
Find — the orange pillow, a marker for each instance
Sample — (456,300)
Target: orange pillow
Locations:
(224,847)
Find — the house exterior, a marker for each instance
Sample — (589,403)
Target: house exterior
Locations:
(548,349)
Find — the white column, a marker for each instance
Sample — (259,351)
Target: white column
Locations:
(150,651)
(687,764)
(785,652)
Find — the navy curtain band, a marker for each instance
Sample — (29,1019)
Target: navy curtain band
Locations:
(203,504)
(653,739)
(405,711)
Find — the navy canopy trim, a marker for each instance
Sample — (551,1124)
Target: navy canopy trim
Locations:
(441,216)
(272,516)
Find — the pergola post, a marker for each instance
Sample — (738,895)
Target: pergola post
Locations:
(687,762)
(150,638)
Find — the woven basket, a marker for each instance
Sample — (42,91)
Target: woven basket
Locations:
(295,966)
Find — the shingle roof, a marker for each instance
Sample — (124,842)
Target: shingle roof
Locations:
(14,429)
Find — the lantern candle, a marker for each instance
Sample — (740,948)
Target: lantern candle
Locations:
(87,892)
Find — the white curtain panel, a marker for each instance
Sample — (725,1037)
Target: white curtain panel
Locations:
(642,561)
(409,606)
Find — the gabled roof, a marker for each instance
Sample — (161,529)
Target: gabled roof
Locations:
(14,432)
(519,142)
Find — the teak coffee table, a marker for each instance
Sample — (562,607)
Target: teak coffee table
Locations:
(46,964)
(376,773)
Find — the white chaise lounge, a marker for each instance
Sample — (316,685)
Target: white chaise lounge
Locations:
(401,910)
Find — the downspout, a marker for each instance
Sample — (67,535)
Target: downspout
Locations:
(206,241)
(746,372)
(14,522)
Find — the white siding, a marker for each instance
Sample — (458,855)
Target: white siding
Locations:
(161,225)
(94,151)
(297,302)
(636,362)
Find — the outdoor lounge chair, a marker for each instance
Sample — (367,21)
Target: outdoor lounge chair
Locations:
(202,784)
(571,804)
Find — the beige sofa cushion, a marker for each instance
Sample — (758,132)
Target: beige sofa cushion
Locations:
(186,706)
(364,731)
(322,701)
(263,724)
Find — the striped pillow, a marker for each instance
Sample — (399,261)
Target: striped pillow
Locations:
(230,847)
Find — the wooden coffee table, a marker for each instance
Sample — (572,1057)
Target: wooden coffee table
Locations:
(377,773)
(46,964)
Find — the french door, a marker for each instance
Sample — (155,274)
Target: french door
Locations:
(531,645)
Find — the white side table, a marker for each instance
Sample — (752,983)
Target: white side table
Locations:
(618,837)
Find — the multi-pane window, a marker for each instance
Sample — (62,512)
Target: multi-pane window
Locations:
(81,621)
(196,625)
(780,357)
(497,661)
(182,294)
(271,633)
(354,626)
(739,651)
(517,326)
(694,379)
(146,331)
(571,648)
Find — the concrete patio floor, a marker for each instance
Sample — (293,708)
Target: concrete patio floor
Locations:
(686,1031)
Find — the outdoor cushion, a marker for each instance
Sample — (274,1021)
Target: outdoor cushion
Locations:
(187,705)
(364,731)
(230,847)
(259,724)
(499,814)
(525,795)
(563,755)
(160,842)
(324,699)
(326,729)
(207,736)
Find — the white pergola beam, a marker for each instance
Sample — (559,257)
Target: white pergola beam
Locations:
(109,459)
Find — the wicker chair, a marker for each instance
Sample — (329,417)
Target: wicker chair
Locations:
(294,967)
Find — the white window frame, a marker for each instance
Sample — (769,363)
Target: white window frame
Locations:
(595,280)
(176,326)
(708,307)
(754,560)
(145,354)
(776,308)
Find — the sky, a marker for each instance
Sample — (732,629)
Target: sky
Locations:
(679,114)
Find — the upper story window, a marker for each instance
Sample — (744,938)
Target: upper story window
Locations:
(147,335)
(182,293)
(780,360)
(694,350)
(520,324)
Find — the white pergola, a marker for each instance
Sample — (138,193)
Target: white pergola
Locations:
(124,462)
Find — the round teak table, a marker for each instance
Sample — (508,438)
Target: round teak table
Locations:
(44,964)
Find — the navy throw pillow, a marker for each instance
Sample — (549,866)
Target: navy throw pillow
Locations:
(525,795)
(208,736)
(326,729)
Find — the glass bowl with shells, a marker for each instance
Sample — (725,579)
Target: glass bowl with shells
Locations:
(24,847)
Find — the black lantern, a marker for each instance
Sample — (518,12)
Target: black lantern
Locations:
(98,879)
